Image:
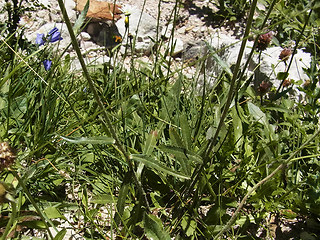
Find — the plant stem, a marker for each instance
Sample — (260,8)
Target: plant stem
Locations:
(232,90)
(267,178)
(10,222)
(109,126)
(44,218)
(294,50)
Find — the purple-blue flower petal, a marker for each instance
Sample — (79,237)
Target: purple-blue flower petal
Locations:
(54,35)
(47,64)
(40,39)
(53,30)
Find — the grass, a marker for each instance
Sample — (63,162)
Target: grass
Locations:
(141,152)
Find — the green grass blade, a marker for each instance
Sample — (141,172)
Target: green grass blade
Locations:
(153,163)
(81,19)
(90,140)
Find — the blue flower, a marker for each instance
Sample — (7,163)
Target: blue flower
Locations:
(40,39)
(54,35)
(47,64)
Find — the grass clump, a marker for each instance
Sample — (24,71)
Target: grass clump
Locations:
(140,152)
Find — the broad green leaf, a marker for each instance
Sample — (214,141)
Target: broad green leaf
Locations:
(90,140)
(81,19)
(37,224)
(175,138)
(218,60)
(282,75)
(153,163)
(53,212)
(150,142)
(185,131)
(154,229)
(189,225)
(222,63)
(257,114)
(60,235)
(103,199)
(123,194)
(182,152)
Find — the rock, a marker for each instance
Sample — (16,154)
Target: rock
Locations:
(144,30)
(181,30)
(85,36)
(104,34)
(271,65)
(166,31)
(194,51)
(46,28)
(178,46)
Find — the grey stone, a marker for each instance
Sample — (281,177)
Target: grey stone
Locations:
(142,26)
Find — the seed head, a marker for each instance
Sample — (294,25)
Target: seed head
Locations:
(264,41)
(7,155)
(264,87)
(285,54)
(286,83)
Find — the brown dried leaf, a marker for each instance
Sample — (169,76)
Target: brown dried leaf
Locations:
(100,10)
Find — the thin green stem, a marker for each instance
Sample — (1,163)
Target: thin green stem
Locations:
(10,222)
(44,218)
(295,49)
(232,88)
(267,178)
(108,122)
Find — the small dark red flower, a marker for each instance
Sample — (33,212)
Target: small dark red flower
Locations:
(264,87)
(285,54)
(286,83)
(264,41)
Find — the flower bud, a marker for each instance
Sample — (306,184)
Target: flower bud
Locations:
(285,54)
(264,41)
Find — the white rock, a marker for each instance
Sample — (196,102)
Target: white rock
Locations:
(181,30)
(178,46)
(85,36)
(271,65)
(144,29)
(166,31)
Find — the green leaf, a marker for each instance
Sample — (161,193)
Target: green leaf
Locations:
(81,19)
(154,229)
(175,138)
(257,114)
(153,163)
(188,225)
(237,128)
(282,75)
(53,212)
(185,130)
(123,194)
(182,152)
(222,63)
(90,140)
(150,143)
(103,199)
(60,235)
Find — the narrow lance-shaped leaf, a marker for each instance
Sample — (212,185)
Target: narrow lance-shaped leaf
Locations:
(154,229)
(81,19)
(90,140)
(185,131)
(153,163)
